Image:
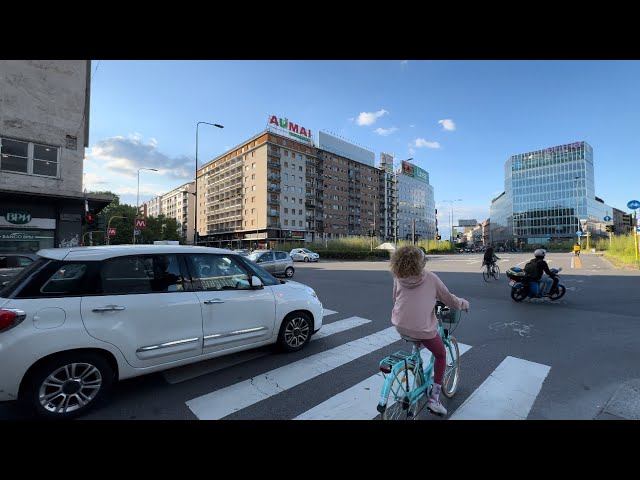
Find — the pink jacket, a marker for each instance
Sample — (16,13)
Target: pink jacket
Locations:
(414,301)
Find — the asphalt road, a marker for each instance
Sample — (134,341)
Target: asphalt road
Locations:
(539,359)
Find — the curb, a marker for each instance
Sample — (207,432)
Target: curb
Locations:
(624,404)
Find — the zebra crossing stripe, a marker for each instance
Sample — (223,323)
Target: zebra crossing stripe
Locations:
(223,402)
(194,370)
(508,393)
(358,402)
(326,312)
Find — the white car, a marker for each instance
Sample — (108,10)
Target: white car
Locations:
(304,254)
(77,319)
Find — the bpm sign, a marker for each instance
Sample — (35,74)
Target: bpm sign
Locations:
(18,217)
(294,130)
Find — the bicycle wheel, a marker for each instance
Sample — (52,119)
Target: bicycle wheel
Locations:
(486,275)
(496,272)
(398,407)
(452,370)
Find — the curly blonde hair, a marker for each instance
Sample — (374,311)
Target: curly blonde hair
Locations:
(407,261)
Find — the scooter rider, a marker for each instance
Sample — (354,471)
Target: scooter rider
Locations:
(543,267)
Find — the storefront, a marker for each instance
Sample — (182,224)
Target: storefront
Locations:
(29,223)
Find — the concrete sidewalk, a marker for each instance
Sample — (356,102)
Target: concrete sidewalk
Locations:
(624,404)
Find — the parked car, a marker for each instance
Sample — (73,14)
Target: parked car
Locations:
(12,263)
(78,319)
(242,251)
(273,261)
(304,254)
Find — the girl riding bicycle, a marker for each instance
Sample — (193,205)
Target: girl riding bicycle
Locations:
(415,291)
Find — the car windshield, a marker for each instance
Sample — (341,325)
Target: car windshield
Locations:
(262,274)
(306,251)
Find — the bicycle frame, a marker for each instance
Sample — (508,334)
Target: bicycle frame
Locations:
(400,362)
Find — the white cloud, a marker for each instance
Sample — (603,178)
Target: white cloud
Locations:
(447,124)
(369,118)
(421,142)
(385,131)
(126,155)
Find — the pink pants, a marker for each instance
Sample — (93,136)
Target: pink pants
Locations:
(435,346)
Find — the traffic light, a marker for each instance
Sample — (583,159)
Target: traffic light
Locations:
(90,220)
(626,219)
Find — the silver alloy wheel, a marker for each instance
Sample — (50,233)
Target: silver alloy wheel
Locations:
(296,332)
(70,388)
(288,272)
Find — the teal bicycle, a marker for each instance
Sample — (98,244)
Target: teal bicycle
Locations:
(409,378)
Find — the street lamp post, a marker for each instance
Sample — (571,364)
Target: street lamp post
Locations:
(138,201)
(577,216)
(195,219)
(452,202)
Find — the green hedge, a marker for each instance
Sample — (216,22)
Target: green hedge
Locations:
(353,254)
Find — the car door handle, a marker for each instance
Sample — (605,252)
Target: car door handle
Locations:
(215,300)
(108,308)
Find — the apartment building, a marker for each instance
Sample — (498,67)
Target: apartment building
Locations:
(260,191)
(350,192)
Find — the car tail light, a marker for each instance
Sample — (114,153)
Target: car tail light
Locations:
(10,318)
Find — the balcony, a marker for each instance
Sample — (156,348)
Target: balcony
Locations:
(274,178)
(274,188)
(273,213)
(309,205)
(274,165)
(273,201)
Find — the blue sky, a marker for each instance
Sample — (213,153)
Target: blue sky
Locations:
(459,120)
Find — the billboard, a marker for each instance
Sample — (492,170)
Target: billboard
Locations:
(468,223)
(410,170)
(345,149)
(285,127)
(386,162)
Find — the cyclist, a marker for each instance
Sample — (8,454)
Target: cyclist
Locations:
(415,291)
(576,249)
(536,267)
(489,258)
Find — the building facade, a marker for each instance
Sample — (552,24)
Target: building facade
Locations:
(179,203)
(44,129)
(349,200)
(549,196)
(262,190)
(416,204)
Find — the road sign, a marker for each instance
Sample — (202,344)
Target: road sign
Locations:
(140,223)
(136,232)
(633,204)
(578,233)
(607,218)
(111,232)
(638,229)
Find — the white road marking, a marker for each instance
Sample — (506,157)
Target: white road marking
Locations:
(358,402)
(508,393)
(223,402)
(326,312)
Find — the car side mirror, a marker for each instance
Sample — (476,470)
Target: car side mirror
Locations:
(256,282)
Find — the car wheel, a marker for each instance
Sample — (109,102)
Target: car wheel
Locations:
(288,272)
(68,385)
(295,332)
(306,259)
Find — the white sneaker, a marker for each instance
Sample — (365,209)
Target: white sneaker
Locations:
(435,407)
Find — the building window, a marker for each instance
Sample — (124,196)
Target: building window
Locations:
(27,157)
(300,167)
(286,199)
(253,177)
(299,189)
(253,165)
(299,212)
(286,164)
(299,223)
(253,188)
(253,222)
(300,201)
(293,200)
(253,199)
(286,153)
(286,222)
(286,176)
(286,210)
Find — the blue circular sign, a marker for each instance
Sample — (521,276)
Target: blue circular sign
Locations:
(607,218)
(633,204)
(579,232)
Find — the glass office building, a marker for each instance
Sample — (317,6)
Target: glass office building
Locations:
(549,196)
(415,202)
